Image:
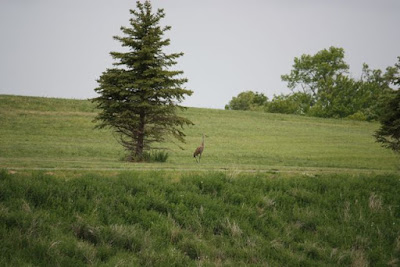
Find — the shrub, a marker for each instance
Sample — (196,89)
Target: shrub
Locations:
(358,116)
(248,100)
(297,103)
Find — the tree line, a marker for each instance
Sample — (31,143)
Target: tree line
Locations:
(322,86)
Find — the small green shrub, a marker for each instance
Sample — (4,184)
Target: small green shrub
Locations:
(358,116)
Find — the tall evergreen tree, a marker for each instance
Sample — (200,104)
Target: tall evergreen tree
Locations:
(389,133)
(140,96)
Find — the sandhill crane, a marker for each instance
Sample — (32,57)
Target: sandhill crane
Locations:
(199,151)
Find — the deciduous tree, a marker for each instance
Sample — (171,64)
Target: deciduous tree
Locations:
(312,74)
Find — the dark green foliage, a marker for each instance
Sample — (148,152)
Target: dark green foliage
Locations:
(248,100)
(389,133)
(139,100)
(174,219)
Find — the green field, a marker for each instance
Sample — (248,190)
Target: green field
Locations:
(59,133)
(271,190)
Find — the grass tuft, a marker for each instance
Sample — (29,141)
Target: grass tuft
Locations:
(375,202)
(155,156)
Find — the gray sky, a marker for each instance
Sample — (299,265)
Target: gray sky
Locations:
(57,48)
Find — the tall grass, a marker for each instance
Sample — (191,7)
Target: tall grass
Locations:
(170,218)
(155,156)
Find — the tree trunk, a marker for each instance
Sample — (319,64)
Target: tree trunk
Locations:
(140,138)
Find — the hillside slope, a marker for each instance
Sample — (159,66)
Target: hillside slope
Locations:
(59,133)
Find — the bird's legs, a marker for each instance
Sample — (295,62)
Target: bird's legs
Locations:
(198,160)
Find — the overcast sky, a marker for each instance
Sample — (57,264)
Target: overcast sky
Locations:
(59,48)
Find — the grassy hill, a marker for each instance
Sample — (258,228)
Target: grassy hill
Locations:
(59,133)
(271,190)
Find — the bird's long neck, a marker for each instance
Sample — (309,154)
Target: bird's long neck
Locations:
(202,143)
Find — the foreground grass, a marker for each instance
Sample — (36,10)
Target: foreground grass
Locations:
(59,133)
(170,218)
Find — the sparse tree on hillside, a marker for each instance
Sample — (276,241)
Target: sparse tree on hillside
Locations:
(139,98)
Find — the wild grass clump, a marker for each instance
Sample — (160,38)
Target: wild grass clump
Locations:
(147,156)
(155,156)
(157,218)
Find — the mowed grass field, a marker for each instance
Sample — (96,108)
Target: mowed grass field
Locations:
(59,133)
(271,190)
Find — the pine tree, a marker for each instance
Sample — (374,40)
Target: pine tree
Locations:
(389,132)
(140,96)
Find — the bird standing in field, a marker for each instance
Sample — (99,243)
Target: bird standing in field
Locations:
(199,151)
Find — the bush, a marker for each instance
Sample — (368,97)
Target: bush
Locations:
(247,100)
(317,111)
(358,116)
(297,103)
